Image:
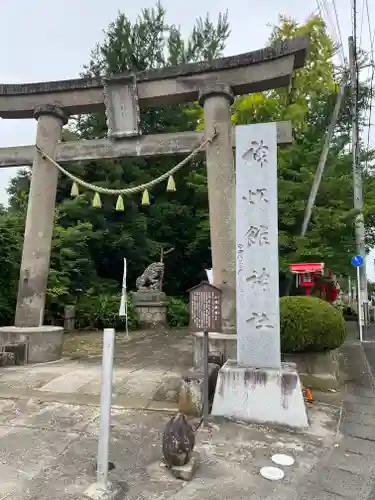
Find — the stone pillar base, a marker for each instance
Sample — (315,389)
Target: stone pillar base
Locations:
(151,308)
(316,370)
(45,343)
(260,395)
(225,343)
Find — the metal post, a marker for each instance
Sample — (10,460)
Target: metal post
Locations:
(323,159)
(205,378)
(357,178)
(359,306)
(105,406)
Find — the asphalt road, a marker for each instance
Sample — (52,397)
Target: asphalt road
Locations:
(369,348)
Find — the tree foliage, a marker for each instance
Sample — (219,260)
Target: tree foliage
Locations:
(178,220)
(309,106)
(89,244)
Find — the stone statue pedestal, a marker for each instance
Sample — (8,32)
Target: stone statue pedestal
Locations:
(260,395)
(151,307)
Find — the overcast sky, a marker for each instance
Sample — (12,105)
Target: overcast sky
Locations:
(50,40)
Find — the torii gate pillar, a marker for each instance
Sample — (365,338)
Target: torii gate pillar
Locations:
(39,220)
(216,101)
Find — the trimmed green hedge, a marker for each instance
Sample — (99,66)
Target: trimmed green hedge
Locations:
(310,324)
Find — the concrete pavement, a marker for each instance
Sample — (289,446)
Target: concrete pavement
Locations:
(142,363)
(49,432)
(48,450)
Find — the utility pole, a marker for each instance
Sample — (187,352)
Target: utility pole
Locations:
(357,176)
(323,159)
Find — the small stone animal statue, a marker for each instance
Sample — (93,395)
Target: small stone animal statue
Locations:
(151,277)
(178,441)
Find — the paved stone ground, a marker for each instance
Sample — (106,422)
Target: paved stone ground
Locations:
(142,363)
(47,450)
(49,433)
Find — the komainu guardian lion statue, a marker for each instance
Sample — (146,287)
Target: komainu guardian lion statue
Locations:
(151,278)
(178,441)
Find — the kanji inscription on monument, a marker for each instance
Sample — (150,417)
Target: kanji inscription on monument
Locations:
(257,285)
(205,308)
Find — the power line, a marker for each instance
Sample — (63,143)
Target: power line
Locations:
(335,33)
(339,30)
(370,30)
(369,106)
(362,19)
(370,113)
(354,27)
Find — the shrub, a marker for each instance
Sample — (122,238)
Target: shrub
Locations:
(101,311)
(7,309)
(310,324)
(177,312)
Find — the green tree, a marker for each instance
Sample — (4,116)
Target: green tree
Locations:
(89,244)
(179,220)
(309,105)
(11,232)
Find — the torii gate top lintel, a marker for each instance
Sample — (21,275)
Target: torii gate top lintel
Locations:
(254,71)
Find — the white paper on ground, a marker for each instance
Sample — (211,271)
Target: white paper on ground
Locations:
(282,459)
(272,473)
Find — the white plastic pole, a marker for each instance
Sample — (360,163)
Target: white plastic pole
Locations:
(123,311)
(359,301)
(125,292)
(105,406)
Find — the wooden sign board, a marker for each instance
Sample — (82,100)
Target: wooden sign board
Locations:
(205,308)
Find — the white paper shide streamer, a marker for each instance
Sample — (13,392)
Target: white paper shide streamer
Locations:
(210,276)
(123,311)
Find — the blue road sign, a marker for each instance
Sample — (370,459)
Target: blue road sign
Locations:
(357,261)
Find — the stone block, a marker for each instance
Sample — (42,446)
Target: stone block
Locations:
(223,343)
(45,343)
(186,472)
(151,307)
(316,370)
(148,297)
(69,318)
(98,491)
(264,396)
(122,107)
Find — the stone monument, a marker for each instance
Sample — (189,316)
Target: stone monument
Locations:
(149,301)
(257,386)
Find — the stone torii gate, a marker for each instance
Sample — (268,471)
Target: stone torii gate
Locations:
(213,84)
